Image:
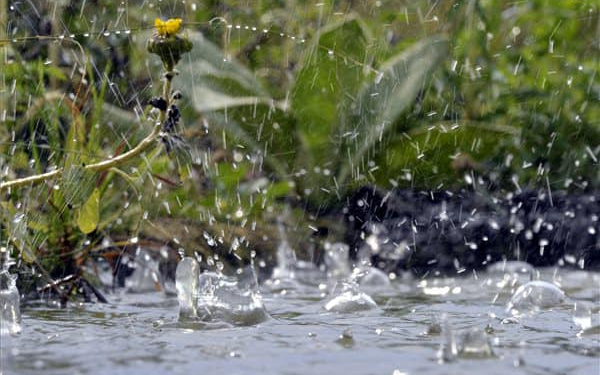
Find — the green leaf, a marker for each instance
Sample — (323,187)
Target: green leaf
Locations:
(77,184)
(333,69)
(427,155)
(89,214)
(381,102)
(214,81)
(230,125)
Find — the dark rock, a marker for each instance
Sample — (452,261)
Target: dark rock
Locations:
(452,232)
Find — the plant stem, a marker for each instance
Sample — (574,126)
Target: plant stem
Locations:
(108,163)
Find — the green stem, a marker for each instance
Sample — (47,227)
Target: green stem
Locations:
(108,163)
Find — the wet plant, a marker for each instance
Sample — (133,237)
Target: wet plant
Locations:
(287,107)
(53,236)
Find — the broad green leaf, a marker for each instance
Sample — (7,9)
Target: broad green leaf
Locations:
(381,102)
(333,67)
(89,214)
(214,81)
(206,99)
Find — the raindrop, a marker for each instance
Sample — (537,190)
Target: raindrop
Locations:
(18,218)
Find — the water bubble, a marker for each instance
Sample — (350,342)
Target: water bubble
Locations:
(530,298)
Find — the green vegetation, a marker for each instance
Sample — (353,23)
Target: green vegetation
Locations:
(394,93)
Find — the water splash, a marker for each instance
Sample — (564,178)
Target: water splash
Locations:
(475,343)
(10,323)
(587,317)
(339,268)
(336,260)
(292,274)
(471,343)
(213,297)
(350,300)
(146,275)
(448,348)
(286,257)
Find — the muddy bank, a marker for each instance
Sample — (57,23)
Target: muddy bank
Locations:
(455,232)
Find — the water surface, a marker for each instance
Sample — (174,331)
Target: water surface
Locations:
(139,333)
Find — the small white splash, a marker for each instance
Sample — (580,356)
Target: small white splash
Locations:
(350,301)
(582,315)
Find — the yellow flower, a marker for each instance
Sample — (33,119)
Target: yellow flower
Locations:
(168,27)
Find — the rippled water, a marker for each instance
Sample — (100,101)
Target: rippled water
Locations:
(140,333)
